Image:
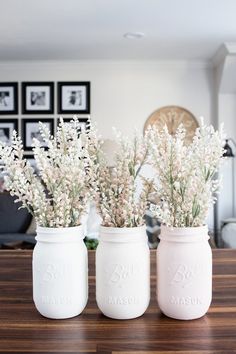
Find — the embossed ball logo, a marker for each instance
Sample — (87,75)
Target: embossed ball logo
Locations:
(182,274)
(119,273)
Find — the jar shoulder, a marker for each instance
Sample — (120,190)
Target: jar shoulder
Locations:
(59,250)
(184,250)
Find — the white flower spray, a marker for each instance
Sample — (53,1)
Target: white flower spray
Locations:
(118,200)
(186,174)
(58,196)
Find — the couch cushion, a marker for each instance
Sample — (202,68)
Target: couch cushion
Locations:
(12,220)
(6,238)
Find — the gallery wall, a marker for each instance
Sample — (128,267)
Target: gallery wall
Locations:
(125,93)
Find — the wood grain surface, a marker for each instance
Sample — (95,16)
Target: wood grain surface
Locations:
(24,330)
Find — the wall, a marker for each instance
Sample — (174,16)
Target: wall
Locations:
(227,112)
(125,93)
(226,115)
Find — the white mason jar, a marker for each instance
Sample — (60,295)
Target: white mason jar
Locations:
(184,272)
(123,272)
(60,272)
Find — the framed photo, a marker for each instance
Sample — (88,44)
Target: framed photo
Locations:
(73,97)
(6,129)
(84,123)
(37,97)
(30,130)
(8,98)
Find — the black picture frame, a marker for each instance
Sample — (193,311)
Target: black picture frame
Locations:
(29,130)
(6,129)
(35,101)
(83,121)
(73,97)
(8,98)
(29,156)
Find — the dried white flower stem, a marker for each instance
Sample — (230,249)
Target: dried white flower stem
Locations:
(185,174)
(117,197)
(59,195)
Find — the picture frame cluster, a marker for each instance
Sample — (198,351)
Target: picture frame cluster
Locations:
(38,98)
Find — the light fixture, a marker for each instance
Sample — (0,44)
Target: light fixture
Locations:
(133,35)
(228,152)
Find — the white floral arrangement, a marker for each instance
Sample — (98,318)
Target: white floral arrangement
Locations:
(122,193)
(186,174)
(58,195)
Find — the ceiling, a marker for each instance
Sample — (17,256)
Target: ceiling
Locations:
(94,29)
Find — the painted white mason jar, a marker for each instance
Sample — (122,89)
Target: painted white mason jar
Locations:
(123,272)
(60,272)
(184,272)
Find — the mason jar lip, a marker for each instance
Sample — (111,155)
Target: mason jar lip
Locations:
(123,234)
(59,234)
(56,229)
(182,229)
(121,230)
(184,234)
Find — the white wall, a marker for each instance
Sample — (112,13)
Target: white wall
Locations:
(227,115)
(226,104)
(125,93)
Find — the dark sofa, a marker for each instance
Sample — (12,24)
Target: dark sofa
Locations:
(14,224)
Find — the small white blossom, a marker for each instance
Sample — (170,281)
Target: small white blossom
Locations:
(118,202)
(186,174)
(59,195)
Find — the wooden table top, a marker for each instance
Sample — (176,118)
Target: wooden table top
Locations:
(24,330)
